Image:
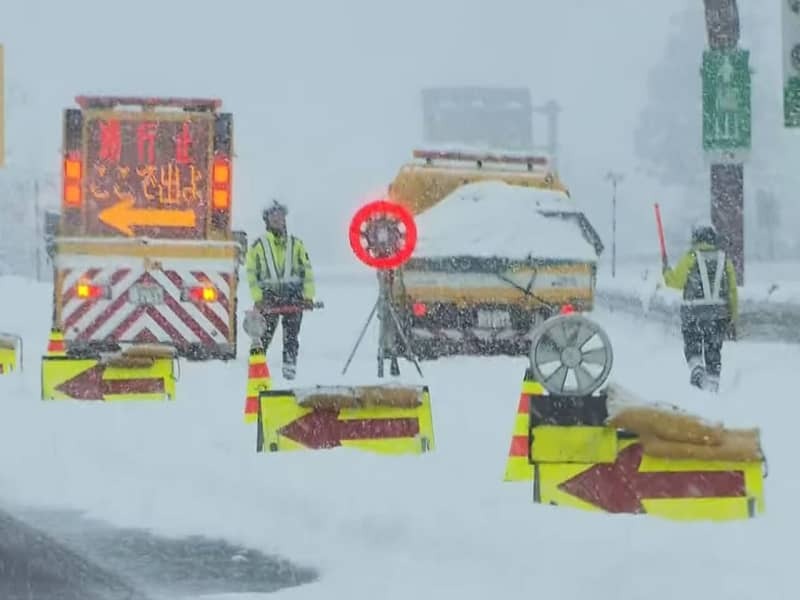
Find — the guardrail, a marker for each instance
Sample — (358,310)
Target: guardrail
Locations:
(758,320)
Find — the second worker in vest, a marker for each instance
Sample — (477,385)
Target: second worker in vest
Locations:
(709,309)
(281,283)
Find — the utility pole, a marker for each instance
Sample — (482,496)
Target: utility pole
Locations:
(726,124)
(615,179)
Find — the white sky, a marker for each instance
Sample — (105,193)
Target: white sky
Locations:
(326,94)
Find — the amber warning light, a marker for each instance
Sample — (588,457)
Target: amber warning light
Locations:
(72,181)
(221,195)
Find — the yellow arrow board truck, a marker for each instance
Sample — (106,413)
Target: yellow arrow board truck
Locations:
(143,250)
(501,248)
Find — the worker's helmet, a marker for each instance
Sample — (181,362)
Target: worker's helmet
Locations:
(704,231)
(272,208)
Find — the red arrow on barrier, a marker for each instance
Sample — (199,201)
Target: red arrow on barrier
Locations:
(620,487)
(322,428)
(90,385)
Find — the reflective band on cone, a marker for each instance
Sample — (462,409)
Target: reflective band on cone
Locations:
(258,380)
(55,344)
(518,467)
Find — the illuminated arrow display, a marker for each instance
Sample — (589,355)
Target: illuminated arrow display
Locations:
(123,217)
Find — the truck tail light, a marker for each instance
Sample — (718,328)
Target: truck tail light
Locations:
(201,293)
(90,291)
(73,172)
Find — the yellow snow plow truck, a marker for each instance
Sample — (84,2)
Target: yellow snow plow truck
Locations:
(501,248)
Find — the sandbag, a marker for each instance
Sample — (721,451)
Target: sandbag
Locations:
(669,426)
(338,398)
(150,351)
(734,446)
(130,362)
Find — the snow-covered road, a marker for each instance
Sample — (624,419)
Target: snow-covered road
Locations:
(437,525)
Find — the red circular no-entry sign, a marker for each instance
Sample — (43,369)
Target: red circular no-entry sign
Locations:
(383,234)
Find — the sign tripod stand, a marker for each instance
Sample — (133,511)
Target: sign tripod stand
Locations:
(383,236)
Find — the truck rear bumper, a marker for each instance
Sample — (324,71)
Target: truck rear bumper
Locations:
(93,349)
(431,344)
(481,329)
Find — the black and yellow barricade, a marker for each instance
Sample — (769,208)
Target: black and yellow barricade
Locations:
(641,459)
(141,372)
(10,353)
(385,419)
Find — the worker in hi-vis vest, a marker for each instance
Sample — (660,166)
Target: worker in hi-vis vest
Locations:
(709,311)
(281,283)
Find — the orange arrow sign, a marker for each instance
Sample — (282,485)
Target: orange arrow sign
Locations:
(122,216)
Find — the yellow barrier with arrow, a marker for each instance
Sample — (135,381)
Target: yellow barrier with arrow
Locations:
(608,451)
(144,372)
(10,353)
(380,419)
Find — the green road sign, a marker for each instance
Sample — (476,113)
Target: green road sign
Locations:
(726,103)
(790,18)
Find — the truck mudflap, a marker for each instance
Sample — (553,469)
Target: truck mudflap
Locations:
(383,419)
(141,372)
(10,353)
(608,451)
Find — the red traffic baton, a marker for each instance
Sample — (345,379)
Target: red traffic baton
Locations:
(292,308)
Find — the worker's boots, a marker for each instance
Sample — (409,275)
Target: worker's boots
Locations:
(289,368)
(697,376)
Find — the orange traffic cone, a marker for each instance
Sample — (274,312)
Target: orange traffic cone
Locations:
(55,344)
(518,467)
(258,380)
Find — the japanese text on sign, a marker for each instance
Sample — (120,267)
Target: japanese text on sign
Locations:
(153,171)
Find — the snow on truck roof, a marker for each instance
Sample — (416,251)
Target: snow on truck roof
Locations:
(492,218)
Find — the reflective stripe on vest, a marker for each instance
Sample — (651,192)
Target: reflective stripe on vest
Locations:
(711,295)
(272,266)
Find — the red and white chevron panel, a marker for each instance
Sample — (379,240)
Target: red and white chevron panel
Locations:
(174,321)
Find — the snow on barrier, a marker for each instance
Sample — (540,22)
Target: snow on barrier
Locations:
(604,449)
(767,311)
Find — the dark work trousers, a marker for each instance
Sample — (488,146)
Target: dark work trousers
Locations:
(291,333)
(702,342)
